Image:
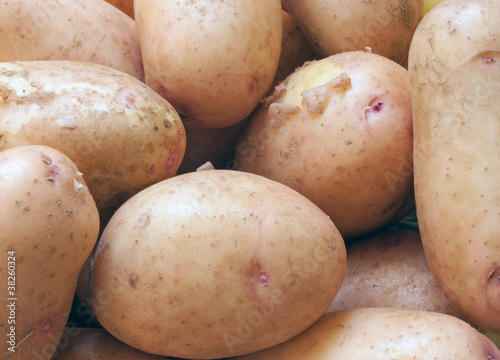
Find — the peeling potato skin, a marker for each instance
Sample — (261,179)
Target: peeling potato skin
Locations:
(121,134)
(384,333)
(389,269)
(455,82)
(326,137)
(212,60)
(96,344)
(229,255)
(77,30)
(335,26)
(49,218)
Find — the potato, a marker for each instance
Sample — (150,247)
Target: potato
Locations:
(213,60)
(49,225)
(213,145)
(121,134)
(77,30)
(335,26)
(455,83)
(383,334)
(96,344)
(389,269)
(127,6)
(295,48)
(339,131)
(215,263)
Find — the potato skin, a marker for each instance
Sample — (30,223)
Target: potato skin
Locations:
(336,26)
(121,134)
(96,344)
(339,131)
(50,221)
(389,269)
(212,61)
(214,262)
(455,82)
(384,334)
(77,30)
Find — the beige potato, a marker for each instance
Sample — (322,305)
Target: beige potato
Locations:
(389,269)
(49,224)
(455,82)
(78,30)
(335,26)
(214,263)
(295,48)
(339,131)
(212,61)
(384,334)
(121,134)
(210,145)
(96,344)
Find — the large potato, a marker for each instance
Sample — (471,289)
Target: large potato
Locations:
(78,30)
(389,269)
(48,226)
(96,344)
(215,263)
(384,334)
(339,131)
(335,26)
(212,60)
(455,82)
(121,134)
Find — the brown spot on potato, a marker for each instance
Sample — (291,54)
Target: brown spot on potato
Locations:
(132,280)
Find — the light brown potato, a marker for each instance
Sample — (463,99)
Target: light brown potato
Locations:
(383,334)
(121,134)
(213,145)
(295,48)
(127,6)
(455,82)
(49,225)
(339,131)
(78,30)
(389,269)
(335,26)
(96,344)
(213,263)
(212,61)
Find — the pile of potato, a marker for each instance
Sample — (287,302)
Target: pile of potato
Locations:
(250,180)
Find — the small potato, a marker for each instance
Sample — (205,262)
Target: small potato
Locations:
(339,131)
(48,226)
(127,6)
(215,263)
(389,269)
(212,60)
(384,334)
(455,83)
(295,48)
(121,134)
(336,26)
(78,30)
(96,344)
(210,145)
